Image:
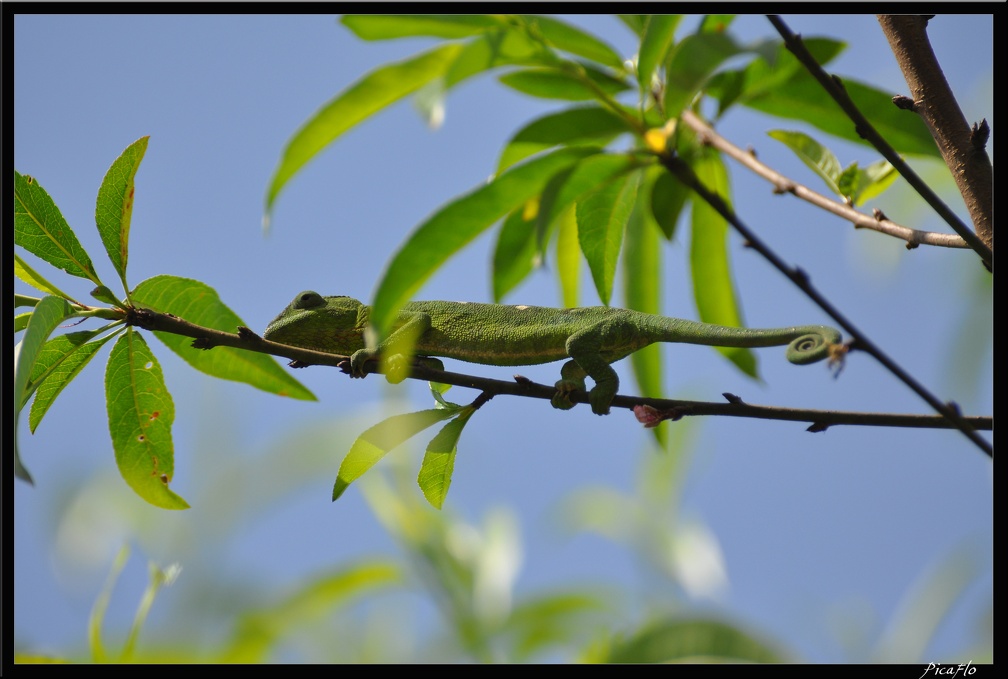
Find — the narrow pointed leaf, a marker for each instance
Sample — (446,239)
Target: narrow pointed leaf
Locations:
(694,60)
(713,288)
(456,224)
(376,90)
(602,218)
(579,125)
(505,47)
(49,313)
(515,253)
(374,443)
(554,83)
(36,280)
(568,257)
(439,460)
(693,640)
(39,227)
(58,363)
(659,33)
(141,412)
(198,303)
(391,26)
(572,39)
(816,156)
(877,178)
(114,206)
(668,198)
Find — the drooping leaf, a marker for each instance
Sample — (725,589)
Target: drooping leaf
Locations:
(572,39)
(141,412)
(57,364)
(376,90)
(378,440)
(659,33)
(39,227)
(391,26)
(438,463)
(35,279)
(114,205)
(515,253)
(816,156)
(713,288)
(568,257)
(455,225)
(48,313)
(668,198)
(198,303)
(578,125)
(602,218)
(692,640)
(572,83)
(509,46)
(875,179)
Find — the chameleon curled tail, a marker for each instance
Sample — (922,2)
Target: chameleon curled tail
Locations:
(814,346)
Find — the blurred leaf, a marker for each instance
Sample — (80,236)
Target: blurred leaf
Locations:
(506,47)
(715,23)
(49,313)
(97,617)
(140,413)
(114,205)
(515,253)
(58,363)
(602,218)
(390,26)
(34,279)
(692,640)
(816,156)
(635,22)
(873,181)
(694,60)
(40,229)
(198,303)
(439,460)
(713,288)
(549,620)
(659,34)
(378,440)
(571,84)
(577,125)
(456,224)
(568,256)
(572,39)
(376,90)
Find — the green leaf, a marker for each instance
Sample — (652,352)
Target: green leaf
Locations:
(803,98)
(602,218)
(715,23)
(515,253)
(439,460)
(141,412)
(578,125)
(103,294)
(391,26)
(34,279)
(659,34)
(58,362)
(568,256)
(713,288)
(635,22)
(816,156)
(455,225)
(551,619)
(874,180)
(572,83)
(692,640)
(374,443)
(198,303)
(694,60)
(49,313)
(571,39)
(376,90)
(114,206)
(668,198)
(21,321)
(642,285)
(40,229)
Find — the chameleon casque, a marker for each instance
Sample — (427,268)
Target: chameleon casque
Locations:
(500,334)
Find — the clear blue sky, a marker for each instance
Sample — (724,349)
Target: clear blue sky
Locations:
(823,537)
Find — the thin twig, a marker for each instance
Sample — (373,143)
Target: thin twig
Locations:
(206,338)
(834,87)
(782,184)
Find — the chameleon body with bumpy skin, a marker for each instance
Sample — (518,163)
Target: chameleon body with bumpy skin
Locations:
(500,334)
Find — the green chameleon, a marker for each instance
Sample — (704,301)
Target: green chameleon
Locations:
(499,334)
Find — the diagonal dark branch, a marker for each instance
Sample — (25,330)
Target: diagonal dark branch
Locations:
(835,89)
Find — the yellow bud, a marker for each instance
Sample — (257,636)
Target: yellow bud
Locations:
(655,139)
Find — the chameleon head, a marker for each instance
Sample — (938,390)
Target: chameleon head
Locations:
(315,322)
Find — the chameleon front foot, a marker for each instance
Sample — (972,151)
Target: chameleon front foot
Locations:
(561,399)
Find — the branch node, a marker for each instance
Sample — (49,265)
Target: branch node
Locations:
(817,427)
(879,215)
(732,398)
(979,135)
(904,102)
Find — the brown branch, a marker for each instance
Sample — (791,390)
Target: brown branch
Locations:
(782,184)
(834,87)
(207,338)
(964,151)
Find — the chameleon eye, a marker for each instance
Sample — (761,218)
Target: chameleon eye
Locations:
(308,300)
